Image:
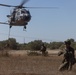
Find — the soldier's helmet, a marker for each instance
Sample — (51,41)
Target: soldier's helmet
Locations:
(68,42)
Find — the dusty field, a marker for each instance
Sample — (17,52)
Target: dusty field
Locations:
(32,65)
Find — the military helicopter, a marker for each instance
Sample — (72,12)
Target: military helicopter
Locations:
(19,16)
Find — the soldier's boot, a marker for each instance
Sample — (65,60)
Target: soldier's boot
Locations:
(70,67)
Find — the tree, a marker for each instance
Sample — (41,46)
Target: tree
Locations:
(55,45)
(72,40)
(12,43)
(35,45)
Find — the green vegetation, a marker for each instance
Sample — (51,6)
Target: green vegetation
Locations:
(33,45)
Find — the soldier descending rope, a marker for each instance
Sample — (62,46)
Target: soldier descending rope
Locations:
(69,57)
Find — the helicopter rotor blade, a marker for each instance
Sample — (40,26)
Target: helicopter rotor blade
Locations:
(23,2)
(21,5)
(7,5)
(42,7)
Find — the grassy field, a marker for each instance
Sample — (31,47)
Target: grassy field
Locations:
(33,65)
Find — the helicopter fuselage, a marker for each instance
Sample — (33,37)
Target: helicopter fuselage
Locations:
(19,17)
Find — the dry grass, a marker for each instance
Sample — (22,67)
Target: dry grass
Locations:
(32,65)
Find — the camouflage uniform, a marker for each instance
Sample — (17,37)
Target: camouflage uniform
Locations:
(69,58)
(43,50)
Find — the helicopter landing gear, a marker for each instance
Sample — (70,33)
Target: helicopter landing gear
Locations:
(25,26)
(24,29)
(10,26)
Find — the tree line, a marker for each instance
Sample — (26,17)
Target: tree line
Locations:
(12,44)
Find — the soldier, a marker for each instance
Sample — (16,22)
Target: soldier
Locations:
(69,57)
(43,50)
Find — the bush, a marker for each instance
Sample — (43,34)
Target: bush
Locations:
(33,53)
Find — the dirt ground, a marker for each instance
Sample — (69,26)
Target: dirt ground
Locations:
(33,65)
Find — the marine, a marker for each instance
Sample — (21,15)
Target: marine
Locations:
(69,57)
(43,49)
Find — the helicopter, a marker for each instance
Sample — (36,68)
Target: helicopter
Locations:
(20,16)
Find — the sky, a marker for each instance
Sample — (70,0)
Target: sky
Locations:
(47,25)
